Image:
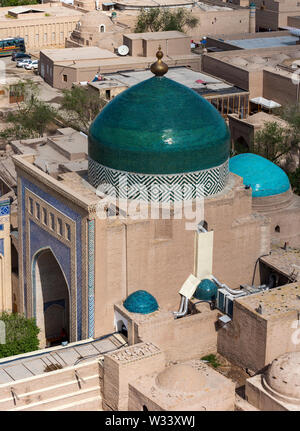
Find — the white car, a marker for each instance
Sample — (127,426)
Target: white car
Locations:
(34,65)
(23,63)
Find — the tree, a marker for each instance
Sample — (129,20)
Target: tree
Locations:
(21,335)
(165,19)
(6,3)
(272,141)
(294,178)
(80,108)
(32,115)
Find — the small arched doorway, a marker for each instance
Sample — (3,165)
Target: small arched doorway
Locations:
(241,145)
(51,298)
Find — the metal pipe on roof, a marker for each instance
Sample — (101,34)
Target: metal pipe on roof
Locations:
(182,313)
(224,286)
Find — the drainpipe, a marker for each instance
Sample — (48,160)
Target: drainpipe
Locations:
(183,310)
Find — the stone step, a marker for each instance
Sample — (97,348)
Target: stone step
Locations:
(61,400)
(89,404)
(48,392)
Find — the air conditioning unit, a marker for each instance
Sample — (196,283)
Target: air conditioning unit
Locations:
(225,302)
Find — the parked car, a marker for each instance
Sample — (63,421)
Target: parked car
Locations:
(24,62)
(33,65)
(19,56)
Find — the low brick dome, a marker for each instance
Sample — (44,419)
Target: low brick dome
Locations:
(282,378)
(181,378)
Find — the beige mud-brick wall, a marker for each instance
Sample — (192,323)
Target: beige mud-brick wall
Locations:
(110,272)
(281,335)
(223,70)
(243,340)
(258,397)
(123,367)
(253,340)
(189,337)
(220,23)
(239,128)
(137,400)
(279,87)
(172,46)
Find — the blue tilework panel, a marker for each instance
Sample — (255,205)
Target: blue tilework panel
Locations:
(40,239)
(4,210)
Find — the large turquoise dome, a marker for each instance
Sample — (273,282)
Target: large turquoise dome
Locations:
(159,127)
(264,177)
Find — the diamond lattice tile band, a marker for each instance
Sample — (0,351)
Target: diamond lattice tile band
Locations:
(158,188)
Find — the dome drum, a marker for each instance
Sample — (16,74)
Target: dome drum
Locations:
(282,378)
(162,188)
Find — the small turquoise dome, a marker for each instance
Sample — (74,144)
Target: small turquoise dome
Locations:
(141,302)
(264,177)
(207,290)
(159,127)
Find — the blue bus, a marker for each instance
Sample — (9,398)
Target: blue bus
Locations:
(10,45)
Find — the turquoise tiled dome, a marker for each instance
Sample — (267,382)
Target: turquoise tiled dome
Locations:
(264,177)
(159,127)
(141,302)
(207,290)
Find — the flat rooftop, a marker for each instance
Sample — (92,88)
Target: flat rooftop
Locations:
(39,10)
(64,152)
(285,261)
(34,363)
(275,301)
(157,35)
(78,54)
(200,82)
(264,42)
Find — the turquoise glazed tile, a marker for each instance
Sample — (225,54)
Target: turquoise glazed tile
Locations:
(264,177)
(159,127)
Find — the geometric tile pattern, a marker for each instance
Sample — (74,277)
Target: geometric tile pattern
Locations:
(91,277)
(158,188)
(4,210)
(36,236)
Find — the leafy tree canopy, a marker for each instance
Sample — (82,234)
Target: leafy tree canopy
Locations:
(21,335)
(164,19)
(80,107)
(7,3)
(272,141)
(32,115)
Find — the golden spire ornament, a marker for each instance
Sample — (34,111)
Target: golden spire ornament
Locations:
(159,68)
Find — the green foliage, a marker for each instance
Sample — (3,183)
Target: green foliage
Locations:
(80,107)
(212,360)
(21,335)
(272,141)
(6,3)
(294,178)
(32,115)
(164,19)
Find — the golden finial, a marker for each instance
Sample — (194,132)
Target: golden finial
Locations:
(159,68)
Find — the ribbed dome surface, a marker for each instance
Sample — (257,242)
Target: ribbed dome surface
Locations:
(264,177)
(141,302)
(159,127)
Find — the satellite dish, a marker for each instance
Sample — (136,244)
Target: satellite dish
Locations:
(123,50)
